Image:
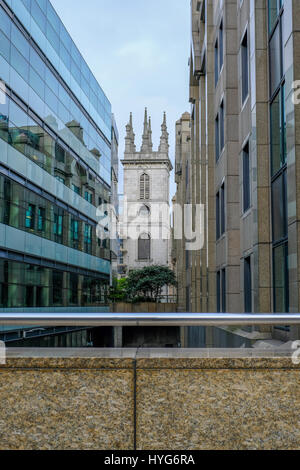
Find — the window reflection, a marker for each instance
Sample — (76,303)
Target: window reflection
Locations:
(23,209)
(30,285)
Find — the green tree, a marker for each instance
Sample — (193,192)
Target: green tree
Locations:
(118,290)
(147,283)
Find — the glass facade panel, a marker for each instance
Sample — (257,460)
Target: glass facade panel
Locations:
(23,209)
(55,114)
(273,13)
(280,267)
(275,60)
(278,160)
(30,285)
(245,67)
(15,48)
(246,178)
(247,285)
(276,134)
(279,208)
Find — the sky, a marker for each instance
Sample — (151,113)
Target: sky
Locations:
(138,51)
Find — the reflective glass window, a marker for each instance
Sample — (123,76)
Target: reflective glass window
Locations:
(30,217)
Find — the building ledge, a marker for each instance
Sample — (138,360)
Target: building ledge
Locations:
(166,358)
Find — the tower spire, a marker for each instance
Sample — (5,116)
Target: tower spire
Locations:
(145,141)
(150,134)
(164,139)
(129,139)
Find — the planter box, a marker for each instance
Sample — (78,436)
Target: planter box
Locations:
(143,307)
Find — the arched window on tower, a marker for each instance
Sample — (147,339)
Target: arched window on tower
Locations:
(145,186)
(144,247)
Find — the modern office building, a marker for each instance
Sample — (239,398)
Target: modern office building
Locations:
(55,168)
(115,242)
(244,153)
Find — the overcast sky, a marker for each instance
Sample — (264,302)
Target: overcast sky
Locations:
(138,51)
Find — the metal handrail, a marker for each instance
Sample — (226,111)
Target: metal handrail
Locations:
(147,319)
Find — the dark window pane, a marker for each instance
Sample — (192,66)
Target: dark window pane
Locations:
(276,134)
(218,292)
(283,126)
(58,227)
(221,47)
(59,153)
(88,238)
(280,256)
(279,208)
(222,126)
(41,219)
(222,221)
(30,217)
(223,290)
(218,216)
(57,287)
(29,296)
(247,285)
(246,178)
(275,60)
(245,68)
(73,289)
(75,233)
(144,250)
(273,13)
(217,131)
(216,63)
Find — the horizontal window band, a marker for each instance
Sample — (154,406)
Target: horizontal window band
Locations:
(11,174)
(26,108)
(19,257)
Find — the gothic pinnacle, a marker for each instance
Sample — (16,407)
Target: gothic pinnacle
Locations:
(129,139)
(145,140)
(150,134)
(164,139)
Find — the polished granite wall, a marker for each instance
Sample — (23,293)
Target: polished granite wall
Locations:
(149,399)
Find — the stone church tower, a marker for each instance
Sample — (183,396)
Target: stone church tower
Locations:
(146,189)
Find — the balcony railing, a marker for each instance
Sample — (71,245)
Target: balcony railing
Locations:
(147,319)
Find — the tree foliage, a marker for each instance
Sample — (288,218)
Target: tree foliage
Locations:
(147,283)
(118,291)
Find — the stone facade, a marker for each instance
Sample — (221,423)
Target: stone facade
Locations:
(144,399)
(243,154)
(181,257)
(146,186)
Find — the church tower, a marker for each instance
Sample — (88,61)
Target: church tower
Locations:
(146,192)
